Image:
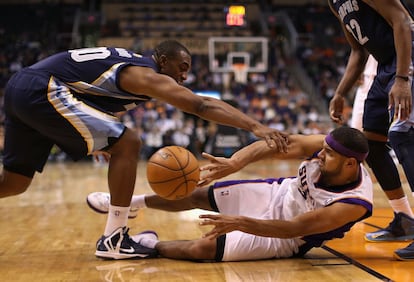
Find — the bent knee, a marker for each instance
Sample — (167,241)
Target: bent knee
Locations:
(129,143)
(12,184)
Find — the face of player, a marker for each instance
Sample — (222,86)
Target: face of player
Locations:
(177,67)
(331,163)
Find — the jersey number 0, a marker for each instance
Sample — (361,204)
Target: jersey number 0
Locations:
(99,53)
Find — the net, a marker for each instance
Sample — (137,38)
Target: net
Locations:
(240,72)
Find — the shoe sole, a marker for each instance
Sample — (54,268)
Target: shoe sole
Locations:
(105,212)
(396,239)
(116,256)
(397,257)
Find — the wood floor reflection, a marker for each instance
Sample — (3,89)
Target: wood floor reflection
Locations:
(49,234)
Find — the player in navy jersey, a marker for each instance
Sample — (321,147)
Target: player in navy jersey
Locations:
(274,217)
(384,29)
(71,99)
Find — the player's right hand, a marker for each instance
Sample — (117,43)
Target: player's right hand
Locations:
(336,108)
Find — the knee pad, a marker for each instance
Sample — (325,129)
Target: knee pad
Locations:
(383,166)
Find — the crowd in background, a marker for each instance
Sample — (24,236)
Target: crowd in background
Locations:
(272,97)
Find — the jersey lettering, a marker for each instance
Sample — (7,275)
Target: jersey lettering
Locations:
(98,53)
(303,187)
(347,7)
(354,28)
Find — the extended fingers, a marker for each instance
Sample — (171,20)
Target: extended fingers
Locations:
(277,140)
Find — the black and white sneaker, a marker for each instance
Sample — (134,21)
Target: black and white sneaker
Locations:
(401,228)
(119,245)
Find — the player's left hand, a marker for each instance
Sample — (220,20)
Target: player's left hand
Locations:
(222,224)
(218,167)
(400,99)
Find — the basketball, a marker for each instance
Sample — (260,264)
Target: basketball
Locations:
(173,172)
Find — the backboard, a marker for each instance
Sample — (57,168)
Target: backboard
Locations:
(224,52)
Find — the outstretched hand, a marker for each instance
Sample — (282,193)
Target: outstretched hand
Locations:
(274,138)
(218,167)
(222,224)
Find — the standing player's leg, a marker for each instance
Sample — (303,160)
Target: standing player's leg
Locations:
(376,125)
(403,144)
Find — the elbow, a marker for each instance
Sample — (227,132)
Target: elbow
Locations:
(200,107)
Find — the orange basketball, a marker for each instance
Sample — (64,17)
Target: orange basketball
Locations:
(173,172)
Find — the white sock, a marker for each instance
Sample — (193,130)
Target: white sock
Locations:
(138,201)
(402,205)
(117,217)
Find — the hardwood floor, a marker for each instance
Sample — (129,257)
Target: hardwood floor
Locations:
(49,234)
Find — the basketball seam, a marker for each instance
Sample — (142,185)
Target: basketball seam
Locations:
(182,163)
(169,179)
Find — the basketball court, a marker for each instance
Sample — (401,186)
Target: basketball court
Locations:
(49,234)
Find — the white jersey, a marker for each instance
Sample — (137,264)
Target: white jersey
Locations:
(284,199)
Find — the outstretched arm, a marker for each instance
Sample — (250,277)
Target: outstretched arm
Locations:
(314,222)
(141,80)
(300,146)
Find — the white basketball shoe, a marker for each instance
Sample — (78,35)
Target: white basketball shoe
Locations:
(99,202)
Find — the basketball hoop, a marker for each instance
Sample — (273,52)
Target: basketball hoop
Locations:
(240,72)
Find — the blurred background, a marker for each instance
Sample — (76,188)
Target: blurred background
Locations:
(279,61)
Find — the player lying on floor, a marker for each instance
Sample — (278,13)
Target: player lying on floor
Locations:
(275,217)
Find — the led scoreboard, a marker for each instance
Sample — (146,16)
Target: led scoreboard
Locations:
(235,15)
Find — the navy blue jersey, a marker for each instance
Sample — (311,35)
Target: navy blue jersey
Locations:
(92,74)
(368,27)
(67,100)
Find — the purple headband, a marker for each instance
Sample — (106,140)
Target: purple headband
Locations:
(341,149)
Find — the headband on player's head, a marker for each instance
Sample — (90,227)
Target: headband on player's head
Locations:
(341,149)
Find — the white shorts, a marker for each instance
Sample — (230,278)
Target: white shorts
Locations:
(251,198)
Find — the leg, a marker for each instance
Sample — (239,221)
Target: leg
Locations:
(201,249)
(99,202)
(198,199)
(123,168)
(13,183)
(383,166)
(385,170)
(121,179)
(116,242)
(403,145)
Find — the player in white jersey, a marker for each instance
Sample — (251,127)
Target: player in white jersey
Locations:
(275,217)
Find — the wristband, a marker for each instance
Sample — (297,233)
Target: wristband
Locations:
(403,77)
